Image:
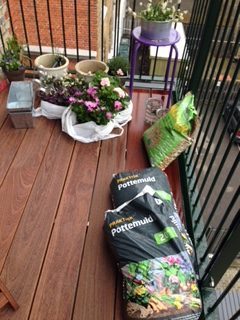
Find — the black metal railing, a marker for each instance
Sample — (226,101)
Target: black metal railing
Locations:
(88,17)
(210,168)
(48,30)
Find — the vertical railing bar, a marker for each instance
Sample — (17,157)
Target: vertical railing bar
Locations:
(134,8)
(118,24)
(102,30)
(132,25)
(10,17)
(220,139)
(211,56)
(1,35)
(186,57)
(76,27)
(211,95)
(236,315)
(225,292)
(37,26)
(223,256)
(155,63)
(219,198)
(25,32)
(115,30)
(50,25)
(63,28)
(215,102)
(89,31)
(141,66)
(168,68)
(209,232)
(220,224)
(226,153)
(199,32)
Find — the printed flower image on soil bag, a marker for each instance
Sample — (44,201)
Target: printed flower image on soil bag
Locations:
(159,280)
(168,137)
(166,286)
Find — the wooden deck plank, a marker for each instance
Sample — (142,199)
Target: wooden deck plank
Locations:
(10,142)
(24,261)
(136,155)
(97,283)
(54,298)
(17,185)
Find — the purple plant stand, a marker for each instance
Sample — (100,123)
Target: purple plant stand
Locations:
(139,40)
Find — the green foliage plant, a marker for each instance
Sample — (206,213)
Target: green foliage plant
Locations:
(118,66)
(11,58)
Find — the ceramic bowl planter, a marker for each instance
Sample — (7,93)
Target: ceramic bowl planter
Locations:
(155,30)
(87,68)
(47,64)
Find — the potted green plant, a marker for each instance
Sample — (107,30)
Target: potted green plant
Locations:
(157,17)
(118,66)
(11,60)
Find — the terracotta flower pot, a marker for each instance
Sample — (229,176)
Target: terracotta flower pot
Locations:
(87,68)
(155,30)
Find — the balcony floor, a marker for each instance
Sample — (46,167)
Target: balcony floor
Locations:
(53,195)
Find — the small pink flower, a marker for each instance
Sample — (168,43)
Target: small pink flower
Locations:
(92,91)
(117,105)
(91,105)
(173,260)
(105,82)
(120,92)
(72,100)
(173,279)
(109,115)
(120,72)
(78,93)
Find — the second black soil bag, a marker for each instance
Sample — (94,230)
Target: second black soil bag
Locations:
(147,238)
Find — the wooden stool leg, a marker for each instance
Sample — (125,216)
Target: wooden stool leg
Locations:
(6,297)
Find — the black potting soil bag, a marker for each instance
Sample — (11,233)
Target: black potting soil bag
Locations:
(147,239)
(126,185)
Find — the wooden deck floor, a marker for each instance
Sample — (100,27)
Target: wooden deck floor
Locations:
(53,194)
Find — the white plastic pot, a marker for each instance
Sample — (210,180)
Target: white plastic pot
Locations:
(45,61)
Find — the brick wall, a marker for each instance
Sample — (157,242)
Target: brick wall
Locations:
(56,21)
(4,22)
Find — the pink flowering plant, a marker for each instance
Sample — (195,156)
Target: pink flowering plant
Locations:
(101,101)
(118,66)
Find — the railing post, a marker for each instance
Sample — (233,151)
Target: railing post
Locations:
(205,43)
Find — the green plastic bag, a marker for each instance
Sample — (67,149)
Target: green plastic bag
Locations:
(171,135)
